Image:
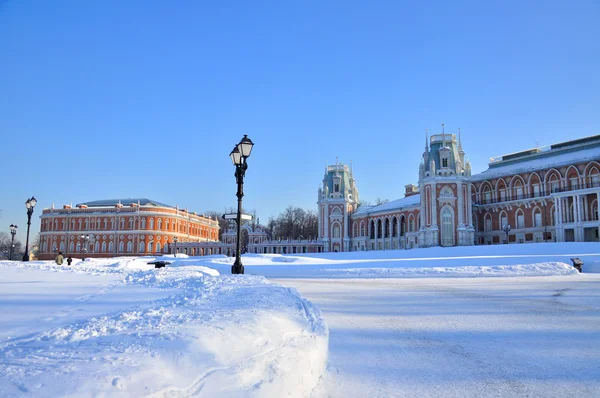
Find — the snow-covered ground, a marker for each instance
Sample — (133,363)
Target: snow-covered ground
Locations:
(118,327)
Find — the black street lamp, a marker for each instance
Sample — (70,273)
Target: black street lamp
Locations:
(13,232)
(84,244)
(506,229)
(30,204)
(175,246)
(239,156)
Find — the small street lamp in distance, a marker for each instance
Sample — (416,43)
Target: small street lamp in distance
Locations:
(239,156)
(84,245)
(175,239)
(506,229)
(13,232)
(30,204)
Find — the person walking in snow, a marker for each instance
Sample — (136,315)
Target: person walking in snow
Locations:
(59,258)
(69,260)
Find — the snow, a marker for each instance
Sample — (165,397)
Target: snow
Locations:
(407,201)
(462,321)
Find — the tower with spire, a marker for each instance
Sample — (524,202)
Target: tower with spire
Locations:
(337,200)
(445,207)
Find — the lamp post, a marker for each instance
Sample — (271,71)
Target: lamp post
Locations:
(239,156)
(30,204)
(506,229)
(175,240)
(84,244)
(13,232)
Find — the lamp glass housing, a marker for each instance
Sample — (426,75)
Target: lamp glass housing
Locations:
(245,146)
(236,157)
(33,201)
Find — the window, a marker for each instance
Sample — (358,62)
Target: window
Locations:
(574,183)
(488,196)
(336,231)
(129,247)
(112,223)
(121,247)
(554,186)
(503,220)
(502,195)
(150,247)
(595,180)
(122,223)
(97,247)
(411,225)
(159,224)
(143,223)
(63,225)
(79,225)
(166,248)
(157,247)
(110,247)
(447,227)
(152,223)
(105,224)
(519,192)
(362,229)
(103,247)
(141,247)
(488,223)
(538,219)
(130,222)
(98,223)
(62,246)
(444,162)
(520,220)
(536,190)
(336,187)
(87,224)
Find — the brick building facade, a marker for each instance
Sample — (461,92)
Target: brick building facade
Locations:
(537,195)
(121,227)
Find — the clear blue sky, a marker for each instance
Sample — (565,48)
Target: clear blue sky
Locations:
(107,99)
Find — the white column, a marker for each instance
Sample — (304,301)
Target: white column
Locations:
(461,208)
(433,205)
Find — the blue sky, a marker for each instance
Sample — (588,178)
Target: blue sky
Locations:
(108,99)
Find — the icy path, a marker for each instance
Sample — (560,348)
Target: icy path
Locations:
(481,337)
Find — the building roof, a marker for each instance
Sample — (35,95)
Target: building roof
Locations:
(557,155)
(124,202)
(394,205)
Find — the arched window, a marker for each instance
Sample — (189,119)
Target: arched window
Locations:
(71,247)
(105,224)
(98,223)
(503,219)
(110,247)
(87,224)
(130,222)
(336,231)
(394,227)
(129,247)
(103,247)
(362,228)
(55,225)
(537,217)
(97,247)
(411,224)
(159,225)
(447,227)
(151,223)
(62,246)
(386,231)
(372,229)
(158,247)
(166,248)
(379,227)
(520,219)
(121,223)
(487,225)
(150,247)
(143,223)
(79,224)
(142,247)
(121,246)
(112,223)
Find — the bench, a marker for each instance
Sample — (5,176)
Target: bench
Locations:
(159,263)
(577,263)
